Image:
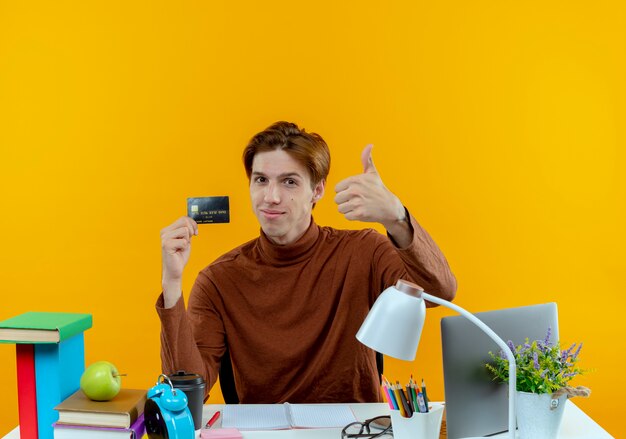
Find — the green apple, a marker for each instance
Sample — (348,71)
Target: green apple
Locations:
(101,381)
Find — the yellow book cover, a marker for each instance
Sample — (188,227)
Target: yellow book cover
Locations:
(120,411)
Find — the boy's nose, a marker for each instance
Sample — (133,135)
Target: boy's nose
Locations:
(272,194)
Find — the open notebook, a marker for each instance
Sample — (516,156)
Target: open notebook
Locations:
(286,416)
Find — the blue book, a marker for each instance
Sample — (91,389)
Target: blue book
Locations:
(58,368)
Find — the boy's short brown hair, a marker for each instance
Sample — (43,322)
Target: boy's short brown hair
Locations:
(309,149)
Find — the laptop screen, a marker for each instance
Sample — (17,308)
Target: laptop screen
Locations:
(475,404)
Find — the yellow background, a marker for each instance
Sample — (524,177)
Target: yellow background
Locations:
(500,124)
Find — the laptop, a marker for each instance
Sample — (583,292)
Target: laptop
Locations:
(475,404)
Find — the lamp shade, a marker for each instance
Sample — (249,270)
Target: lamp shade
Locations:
(394,324)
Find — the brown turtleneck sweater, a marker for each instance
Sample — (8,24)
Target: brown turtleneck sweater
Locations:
(290,313)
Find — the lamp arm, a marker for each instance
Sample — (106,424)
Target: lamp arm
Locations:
(505,348)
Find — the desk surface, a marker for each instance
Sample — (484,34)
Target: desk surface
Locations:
(576,425)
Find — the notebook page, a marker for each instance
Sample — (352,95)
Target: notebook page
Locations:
(321,415)
(255,417)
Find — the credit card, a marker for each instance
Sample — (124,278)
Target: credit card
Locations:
(208,210)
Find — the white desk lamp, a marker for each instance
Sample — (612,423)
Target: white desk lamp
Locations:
(394,325)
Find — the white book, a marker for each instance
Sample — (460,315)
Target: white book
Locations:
(286,416)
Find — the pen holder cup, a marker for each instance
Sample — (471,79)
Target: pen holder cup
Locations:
(420,425)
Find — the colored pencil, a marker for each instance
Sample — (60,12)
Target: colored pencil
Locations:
(403,413)
(424,392)
(388,397)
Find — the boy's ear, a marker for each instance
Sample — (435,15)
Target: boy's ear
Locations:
(318,191)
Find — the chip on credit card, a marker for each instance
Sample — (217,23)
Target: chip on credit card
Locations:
(208,210)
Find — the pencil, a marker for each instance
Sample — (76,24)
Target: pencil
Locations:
(409,398)
(424,392)
(405,403)
(390,393)
(212,420)
(388,397)
(414,398)
(397,391)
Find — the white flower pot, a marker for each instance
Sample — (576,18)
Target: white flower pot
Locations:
(537,416)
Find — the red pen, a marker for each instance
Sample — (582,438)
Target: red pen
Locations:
(212,420)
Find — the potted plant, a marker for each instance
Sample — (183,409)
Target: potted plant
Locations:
(544,372)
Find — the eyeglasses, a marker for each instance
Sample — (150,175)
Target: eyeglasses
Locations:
(364,429)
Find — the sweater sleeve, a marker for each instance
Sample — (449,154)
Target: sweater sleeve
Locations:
(421,262)
(191,340)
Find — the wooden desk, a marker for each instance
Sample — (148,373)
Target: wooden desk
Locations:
(576,425)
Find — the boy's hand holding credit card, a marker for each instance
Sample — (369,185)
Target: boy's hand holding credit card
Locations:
(176,241)
(208,210)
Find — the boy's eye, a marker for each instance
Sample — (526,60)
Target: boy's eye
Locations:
(259,180)
(290,181)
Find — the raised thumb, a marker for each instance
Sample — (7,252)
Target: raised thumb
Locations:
(366,160)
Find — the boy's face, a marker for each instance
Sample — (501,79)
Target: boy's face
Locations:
(281,195)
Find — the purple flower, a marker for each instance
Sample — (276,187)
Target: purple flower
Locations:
(548,335)
(577,352)
(543,374)
(567,352)
(511,346)
(535,360)
(545,348)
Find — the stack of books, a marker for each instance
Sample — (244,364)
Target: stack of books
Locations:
(50,359)
(121,417)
